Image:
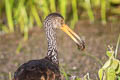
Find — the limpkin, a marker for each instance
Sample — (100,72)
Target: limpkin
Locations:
(48,67)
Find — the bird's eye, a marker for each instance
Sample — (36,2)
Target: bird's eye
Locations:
(62,21)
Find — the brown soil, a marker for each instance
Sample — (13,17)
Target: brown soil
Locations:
(75,62)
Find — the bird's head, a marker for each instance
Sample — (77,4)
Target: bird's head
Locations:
(56,21)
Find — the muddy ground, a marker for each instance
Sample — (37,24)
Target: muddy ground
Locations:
(97,37)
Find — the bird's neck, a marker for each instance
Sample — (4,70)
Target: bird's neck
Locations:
(52,46)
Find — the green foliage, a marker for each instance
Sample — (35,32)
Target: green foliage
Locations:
(43,7)
(24,14)
(8,6)
(118,43)
(103,11)
(115,1)
(89,10)
(10,78)
(111,69)
(75,13)
(21,14)
(52,6)
(64,74)
(70,77)
(95,3)
(62,6)
(86,77)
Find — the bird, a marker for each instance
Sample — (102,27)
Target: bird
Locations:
(47,68)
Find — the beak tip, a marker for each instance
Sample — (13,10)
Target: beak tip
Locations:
(81,46)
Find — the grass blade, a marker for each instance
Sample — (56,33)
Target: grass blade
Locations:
(117,46)
(52,5)
(64,74)
(62,5)
(44,8)
(103,11)
(89,10)
(35,15)
(9,15)
(75,13)
(10,77)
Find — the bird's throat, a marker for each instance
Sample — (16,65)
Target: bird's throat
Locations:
(52,46)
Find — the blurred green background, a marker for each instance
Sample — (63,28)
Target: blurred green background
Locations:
(22,37)
(25,14)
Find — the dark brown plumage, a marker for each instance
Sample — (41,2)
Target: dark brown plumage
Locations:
(42,69)
(48,67)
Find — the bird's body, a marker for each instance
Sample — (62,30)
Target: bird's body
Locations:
(48,67)
(42,69)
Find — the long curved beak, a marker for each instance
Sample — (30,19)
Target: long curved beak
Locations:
(80,43)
